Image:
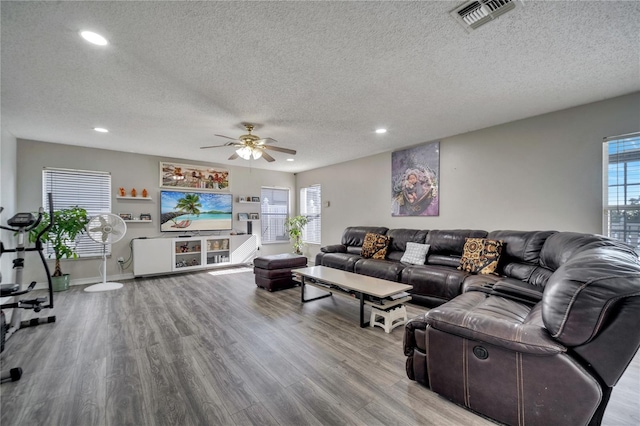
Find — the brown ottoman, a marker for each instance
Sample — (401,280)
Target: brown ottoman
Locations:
(274,272)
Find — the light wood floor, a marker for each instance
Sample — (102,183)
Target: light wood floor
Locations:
(213,349)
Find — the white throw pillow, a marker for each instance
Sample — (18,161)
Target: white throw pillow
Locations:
(415,253)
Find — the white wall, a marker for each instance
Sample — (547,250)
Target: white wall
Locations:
(129,171)
(543,172)
(8,200)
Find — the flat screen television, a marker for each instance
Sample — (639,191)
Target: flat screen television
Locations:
(184,211)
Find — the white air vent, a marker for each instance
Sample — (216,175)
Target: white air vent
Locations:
(475,13)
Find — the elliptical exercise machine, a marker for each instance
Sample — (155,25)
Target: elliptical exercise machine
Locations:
(21,224)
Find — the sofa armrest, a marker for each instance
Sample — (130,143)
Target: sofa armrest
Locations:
(518,290)
(497,321)
(335,248)
(417,323)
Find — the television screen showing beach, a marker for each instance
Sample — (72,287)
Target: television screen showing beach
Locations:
(194,211)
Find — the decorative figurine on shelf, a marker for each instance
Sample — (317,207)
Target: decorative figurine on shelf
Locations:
(216,245)
(122,191)
(144,192)
(225,244)
(185,248)
(134,192)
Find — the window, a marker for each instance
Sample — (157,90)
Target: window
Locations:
(622,188)
(86,189)
(311,207)
(274,209)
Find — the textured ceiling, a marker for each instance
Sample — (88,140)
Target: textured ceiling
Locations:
(319,77)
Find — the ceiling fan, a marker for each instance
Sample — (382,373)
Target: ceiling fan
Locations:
(251,146)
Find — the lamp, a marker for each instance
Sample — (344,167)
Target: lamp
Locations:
(246,153)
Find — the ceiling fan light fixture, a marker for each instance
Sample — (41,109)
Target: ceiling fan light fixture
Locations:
(257,153)
(244,152)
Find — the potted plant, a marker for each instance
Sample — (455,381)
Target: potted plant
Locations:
(294,225)
(67,225)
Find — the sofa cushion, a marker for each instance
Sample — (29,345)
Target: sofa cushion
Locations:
(438,282)
(580,294)
(415,254)
(480,255)
(383,269)
(451,242)
(375,246)
(497,321)
(344,261)
(400,237)
(562,246)
(353,236)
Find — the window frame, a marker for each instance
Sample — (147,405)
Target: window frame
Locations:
(304,206)
(90,180)
(622,195)
(265,216)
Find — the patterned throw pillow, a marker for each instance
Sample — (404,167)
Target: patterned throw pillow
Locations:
(375,246)
(415,253)
(480,256)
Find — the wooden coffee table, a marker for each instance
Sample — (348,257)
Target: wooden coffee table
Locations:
(369,290)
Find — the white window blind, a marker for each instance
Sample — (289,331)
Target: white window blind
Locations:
(89,190)
(622,188)
(311,207)
(274,210)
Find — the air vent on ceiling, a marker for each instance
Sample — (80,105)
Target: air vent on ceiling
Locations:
(475,13)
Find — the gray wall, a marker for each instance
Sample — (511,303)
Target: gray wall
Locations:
(543,172)
(8,146)
(128,171)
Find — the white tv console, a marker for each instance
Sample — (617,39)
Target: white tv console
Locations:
(152,256)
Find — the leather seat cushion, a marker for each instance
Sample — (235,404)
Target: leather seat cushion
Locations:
(280,261)
(497,321)
(437,281)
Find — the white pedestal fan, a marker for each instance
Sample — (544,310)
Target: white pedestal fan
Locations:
(105,228)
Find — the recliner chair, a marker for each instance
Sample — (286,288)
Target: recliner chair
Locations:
(498,351)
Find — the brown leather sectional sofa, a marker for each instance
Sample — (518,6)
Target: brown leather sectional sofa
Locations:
(543,341)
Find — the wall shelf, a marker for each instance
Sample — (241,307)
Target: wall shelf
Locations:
(138,221)
(129,197)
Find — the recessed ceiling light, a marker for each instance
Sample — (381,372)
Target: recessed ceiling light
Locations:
(381,131)
(100,129)
(94,38)
(290,159)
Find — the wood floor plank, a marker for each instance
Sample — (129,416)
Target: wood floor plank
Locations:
(211,348)
(256,415)
(88,395)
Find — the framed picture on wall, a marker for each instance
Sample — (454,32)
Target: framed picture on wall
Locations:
(203,178)
(243,216)
(255,199)
(415,181)
(126,216)
(254,216)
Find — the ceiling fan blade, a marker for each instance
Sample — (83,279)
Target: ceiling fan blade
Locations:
(234,156)
(268,157)
(277,148)
(216,146)
(227,137)
(265,140)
